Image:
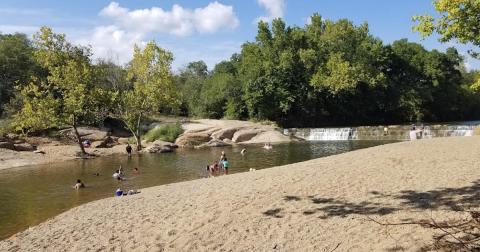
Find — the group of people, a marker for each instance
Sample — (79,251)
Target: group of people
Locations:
(118,174)
(218,166)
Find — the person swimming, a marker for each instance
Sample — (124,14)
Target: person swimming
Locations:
(244,151)
(79,184)
(267,146)
(136,171)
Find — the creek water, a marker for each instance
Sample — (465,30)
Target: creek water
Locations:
(32,194)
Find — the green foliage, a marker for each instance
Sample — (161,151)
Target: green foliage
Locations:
(459,20)
(66,96)
(16,65)
(168,133)
(152,87)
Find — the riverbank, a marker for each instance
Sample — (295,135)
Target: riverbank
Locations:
(55,151)
(320,205)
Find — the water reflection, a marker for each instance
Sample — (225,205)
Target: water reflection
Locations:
(30,195)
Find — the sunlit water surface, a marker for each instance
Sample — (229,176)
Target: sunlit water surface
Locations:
(30,195)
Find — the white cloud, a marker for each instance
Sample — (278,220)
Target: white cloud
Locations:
(274,8)
(113,43)
(178,21)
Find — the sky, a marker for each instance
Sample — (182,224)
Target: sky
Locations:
(208,30)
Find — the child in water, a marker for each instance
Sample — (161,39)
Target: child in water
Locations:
(79,184)
(226,165)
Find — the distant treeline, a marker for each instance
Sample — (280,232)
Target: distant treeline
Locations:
(326,73)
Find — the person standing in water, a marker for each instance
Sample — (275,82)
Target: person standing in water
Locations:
(226,165)
(129,150)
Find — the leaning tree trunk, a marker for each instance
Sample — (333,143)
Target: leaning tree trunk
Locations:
(79,139)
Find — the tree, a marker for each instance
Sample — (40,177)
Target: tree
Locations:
(67,96)
(16,64)
(151,88)
(459,20)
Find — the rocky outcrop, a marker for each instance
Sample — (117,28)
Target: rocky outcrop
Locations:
(7,145)
(213,143)
(192,139)
(225,133)
(90,133)
(269,137)
(245,134)
(108,142)
(24,147)
(160,147)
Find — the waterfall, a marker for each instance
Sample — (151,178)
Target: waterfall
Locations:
(394,132)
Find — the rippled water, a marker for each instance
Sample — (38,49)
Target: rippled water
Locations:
(30,195)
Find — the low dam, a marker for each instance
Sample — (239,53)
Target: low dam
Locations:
(392,132)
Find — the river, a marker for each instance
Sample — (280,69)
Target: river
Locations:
(32,194)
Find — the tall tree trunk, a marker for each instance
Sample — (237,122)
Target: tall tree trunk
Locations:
(137,135)
(139,142)
(79,139)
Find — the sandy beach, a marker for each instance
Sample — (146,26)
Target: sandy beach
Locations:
(327,204)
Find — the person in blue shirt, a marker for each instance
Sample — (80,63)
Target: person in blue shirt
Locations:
(226,165)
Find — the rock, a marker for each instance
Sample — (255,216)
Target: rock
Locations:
(12,136)
(155,148)
(228,141)
(18,141)
(164,143)
(213,143)
(192,139)
(7,145)
(123,140)
(90,133)
(269,137)
(225,133)
(245,134)
(24,147)
(108,142)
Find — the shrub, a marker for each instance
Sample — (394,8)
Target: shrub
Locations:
(168,132)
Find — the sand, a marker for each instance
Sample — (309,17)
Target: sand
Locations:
(53,153)
(325,204)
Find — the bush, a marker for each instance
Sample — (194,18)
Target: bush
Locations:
(5,126)
(168,133)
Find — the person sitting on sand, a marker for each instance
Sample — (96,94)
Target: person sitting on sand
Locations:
(226,165)
(119,192)
(79,184)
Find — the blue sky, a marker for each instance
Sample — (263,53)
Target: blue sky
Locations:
(206,30)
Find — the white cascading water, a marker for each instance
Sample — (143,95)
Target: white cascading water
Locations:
(332,134)
(377,133)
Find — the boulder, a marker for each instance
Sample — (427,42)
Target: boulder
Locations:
(245,134)
(164,143)
(24,147)
(155,148)
(225,133)
(213,143)
(12,136)
(7,145)
(192,139)
(269,137)
(108,142)
(90,133)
